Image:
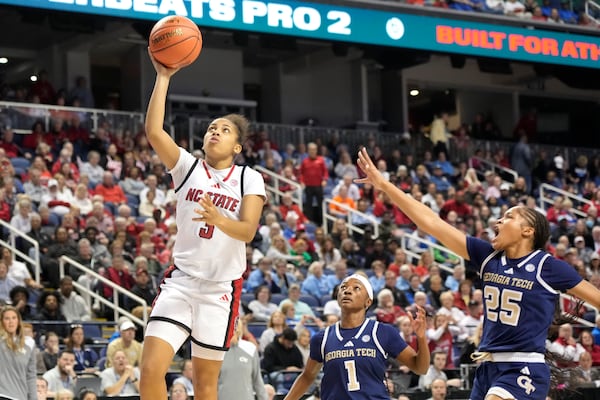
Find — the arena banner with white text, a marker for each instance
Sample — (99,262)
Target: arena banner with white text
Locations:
(355,25)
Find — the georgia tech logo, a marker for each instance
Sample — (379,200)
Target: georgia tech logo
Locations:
(525,382)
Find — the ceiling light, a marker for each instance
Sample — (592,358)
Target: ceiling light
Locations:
(414,92)
(33,78)
(3,60)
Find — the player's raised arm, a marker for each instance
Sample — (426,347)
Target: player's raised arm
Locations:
(304,380)
(588,292)
(161,141)
(419,213)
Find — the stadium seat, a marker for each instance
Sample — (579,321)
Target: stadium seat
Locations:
(101,363)
(92,331)
(277,298)
(132,201)
(88,381)
(310,300)
(324,299)
(257,329)
(20,163)
(247,297)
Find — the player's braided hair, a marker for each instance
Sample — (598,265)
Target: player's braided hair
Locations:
(540,225)
(242,125)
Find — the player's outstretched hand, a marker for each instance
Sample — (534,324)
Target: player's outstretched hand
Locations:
(208,213)
(372,173)
(161,69)
(419,324)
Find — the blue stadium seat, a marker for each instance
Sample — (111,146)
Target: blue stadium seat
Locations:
(324,299)
(101,363)
(310,300)
(92,331)
(132,201)
(247,297)
(20,163)
(277,298)
(257,329)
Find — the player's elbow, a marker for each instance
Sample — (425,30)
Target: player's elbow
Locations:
(421,370)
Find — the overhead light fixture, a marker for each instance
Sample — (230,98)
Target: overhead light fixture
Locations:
(33,78)
(414,92)
(3,60)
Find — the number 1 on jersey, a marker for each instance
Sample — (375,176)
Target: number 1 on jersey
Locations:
(353,384)
(206,232)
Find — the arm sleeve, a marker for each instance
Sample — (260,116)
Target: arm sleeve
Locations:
(315,347)
(390,339)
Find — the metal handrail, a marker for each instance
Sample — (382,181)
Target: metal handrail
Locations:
(353,228)
(405,238)
(494,167)
(15,251)
(117,309)
(544,187)
(274,188)
(46,115)
(579,320)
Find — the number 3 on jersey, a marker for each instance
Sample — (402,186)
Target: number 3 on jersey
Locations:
(206,232)
(353,384)
(502,305)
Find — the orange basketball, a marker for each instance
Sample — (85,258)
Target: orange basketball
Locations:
(175,41)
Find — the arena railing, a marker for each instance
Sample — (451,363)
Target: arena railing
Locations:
(89,293)
(273,183)
(548,193)
(507,174)
(22,116)
(13,234)
(348,217)
(282,134)
(407,242)
(592,9)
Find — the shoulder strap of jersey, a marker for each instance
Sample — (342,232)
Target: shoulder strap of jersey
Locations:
(376,339)
(538,275)
(188,175)
(242,180)
(325,335)
(487,259)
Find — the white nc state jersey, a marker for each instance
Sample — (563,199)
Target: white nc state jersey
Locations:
(202,250)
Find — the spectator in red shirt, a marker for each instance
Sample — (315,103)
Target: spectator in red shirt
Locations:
(287,205)
(313,177)
(118,274)
(458,205)
(65,158)
(113,194)
(10,148)
(383,203)
(387,311)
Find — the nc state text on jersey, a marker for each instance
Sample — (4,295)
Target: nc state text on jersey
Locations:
(219,200)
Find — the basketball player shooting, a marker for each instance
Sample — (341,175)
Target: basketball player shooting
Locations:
(218,209)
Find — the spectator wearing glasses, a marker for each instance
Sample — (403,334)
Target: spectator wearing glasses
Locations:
(178,392)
